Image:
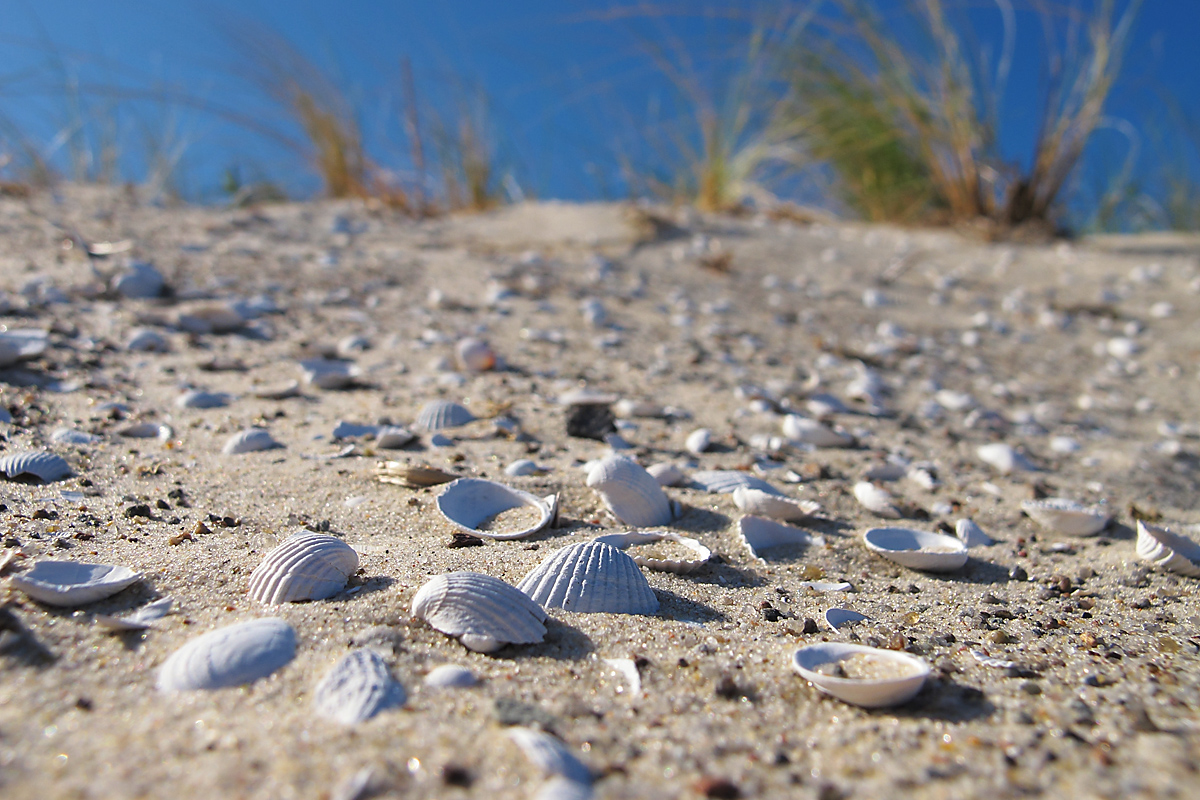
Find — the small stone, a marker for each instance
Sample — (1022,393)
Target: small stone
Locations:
(201,529)
(771,614)
(897,641)
(180,538)
(810,625)
(1018,574)
(460,539)
(454,775)
(942,639)
(721,788)
(1031,688)
(140,510)
(999,637)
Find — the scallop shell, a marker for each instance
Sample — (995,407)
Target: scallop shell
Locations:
(72,583)
(450,676)
(590,577)
(249,441)
(679,566)
(1066,516)
(467,502)
(139,620)
(725,481)
(19,344)
(474,355)
(1168,550)
(759,533)
(971,534)
(1004,458)
(867,693)
(809,431)
(199,398)
(358,687)
(876,499)
(325,373)
(306,566)
(667,474)
(229,656)
(438,415)
(41,465)
(760,503)
(629,492)
(485,613)
(699,441)
(932,552)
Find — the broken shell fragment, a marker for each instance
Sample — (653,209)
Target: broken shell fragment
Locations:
(759,534)
(809,431)
(249,441)
(630,493)
(699,440)
(680,566)
(469,503)
(876,499)
(1066,516)
(763,504)
(439,415)
(483,612)
(971,534)
(326,373)
(1170,551)
(72,583)
(725,481)
(307,566)
(229,656)
(932,552)
(413,476)
(590,577)
(1004,459)
(863,676)
(139,620)
(837,618)
(358,687)
(40,466)
(667,474)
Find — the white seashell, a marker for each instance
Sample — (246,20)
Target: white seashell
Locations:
(279,391)
(590,577)
(1066,516)
(199,398)
(924,475)
(523,467)
(71,583)
(358,687)
(145,340)
(1004,458)
(990,661)
(483,612)
(809,431)
(210,318)
(763,504)
(1122,347)
(1064,445)
(306,566)
(667,474)
(139,620)
(229,656)
(699,441)
(954,401)
(18,344)
(726,481)
(74,436)
(393,437)
(586,397)
(147,430)
(826,586)
(352,430)
(971,534)
(679,566)
(349,346)
(39,465)
(876,499)
(1168,550)
(837,618)
(627,408)
(627,668)
(933,552)
(560,788)
(909,676)
(140,281)
(629,492)
(450,676)
(468,502)
(438,415)
(249,441)
(550,755)
(824,405)
(327,373)
(474,355)
(759,534)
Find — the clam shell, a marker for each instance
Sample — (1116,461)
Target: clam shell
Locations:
(485,613)
(760,533)
(438,415)
(357,688)
(413,476)
(590,577)
(229,656)
(680,566)
(467,502)
(629,492)
(932,552)
(249,441)
(867,693)
(762,504)
(41,465)
(809,431)
(307,566)
(1170,551)
(450,676)
(1004,459)
(19,344)
(876,499)
(199,398)
(1066,516)
(971,534)
(139,620)
(71,583)
(667,474)
(725,481)
(325,373)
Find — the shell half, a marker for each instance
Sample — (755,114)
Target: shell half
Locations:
(971,534)
(629,492)
(590,577)
(1168,550)
(876,499)
(763,504)
(438,415)
(889,677)
(229,656)
(358,687)
(249,441)
(483,612)
(38,465)
(71,583)
(679,566)
(306,566)
(1066,516)
(932,552)
(468,502)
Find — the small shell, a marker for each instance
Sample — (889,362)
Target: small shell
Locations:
(809,431)
(837,618)
(147,430)
(876,499)
(393,437)
(307,566)
(139,620)
(909,674)
(759,534)
(249,441)
(71,583)
(357,688)
(281,391)
(438,415)
(485,613)
(199,398)
(19,344)
(699,440)
(229,656)
(679,566)
(821,587)
(971,534)
(450,676)
(413,476)
(523,467)
(760,503)
(146,340)
(1168,550)
(327,373)
(933,552)
(37,465)
(140,281)
(725,481)
(468,502)
(590,577)
(474,355)
(74,436)
(627,408)
(1066,516)
(550,755)
(210,318)
(1004,458)
(667,474)
(629,492)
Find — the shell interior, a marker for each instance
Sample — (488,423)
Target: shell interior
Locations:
(760,533)
(839,617)
(358,687)
(621,541)
(775,506)
(915,549)
(468,502)
(1066,516)
(306,566)
(71,583)
(590,577)
(900,676)
(229,656)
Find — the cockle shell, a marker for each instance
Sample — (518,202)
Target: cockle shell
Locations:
(468,502)
(590,577)
(18,344)
(39,465)
(971,534)
(1004,458)
(483,612)
(1066,516)
(667,474)
(876,499)
(763,504)
(809,431)
(229,656)
(199,398)
(759,534)
(677,565)
(326,373)
(933,552)
(726,481)
(249,441)
(139,620)
(474,355)
(438,415)
(1170,551)
(358,687)
(306,566)
(907,678)
(630,493)
(72,583)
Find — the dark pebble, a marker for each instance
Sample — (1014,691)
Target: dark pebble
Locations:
(140,510)
(771,614)
(722,788)
(459,539)
(1018,574)
(810,625)
(590,422)
(163,504)
(454,775)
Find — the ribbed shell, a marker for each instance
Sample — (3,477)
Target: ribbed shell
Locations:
(229,656)
(467,502)
(1168,550)
(437,415)
(71,583)
(590,577)
(764,504)
(249,441)
(357,688)
(485,609)
(725,481)
(43,465)
(630,493)
(307,566)
(1066,516)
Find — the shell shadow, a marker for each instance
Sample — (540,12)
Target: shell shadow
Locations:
(700,520)
(944,700)
(563,642)
(975,571)
(680,609)
(18,642)
(375,583)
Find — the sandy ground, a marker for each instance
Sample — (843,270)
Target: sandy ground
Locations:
(1097,342)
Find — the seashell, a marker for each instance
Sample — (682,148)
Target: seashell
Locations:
(627,408)
(826,586)
(560,788)
(19,344)
(586,397)
(145,340)
(990,661)
(971,534)
(1170,551)
(902,676)
(474,355)
(358,687)
(523,467)
(954,401)
(550,755)
(1066,516)
(590,577)
(72,583)
(667,474)
(352,430)
(229,656)
(393,437)
(726,481)
(468,502)
(40,466)
(679,566)
(809,431)
(147,430)
(1004,458)
(325,373)
(485,613)
(413,476)
(306,566)
(199,398)
(699,441)
(759,533)
(438,415)
(627,669)
(933,552)
(139,620)
(837,618)
(763,504)
(876,499)
(210,318)
(279,391)
(450,676)
(629,492)
(823,405)
(885,472)
(141,281)
(249,441)
(74,436)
